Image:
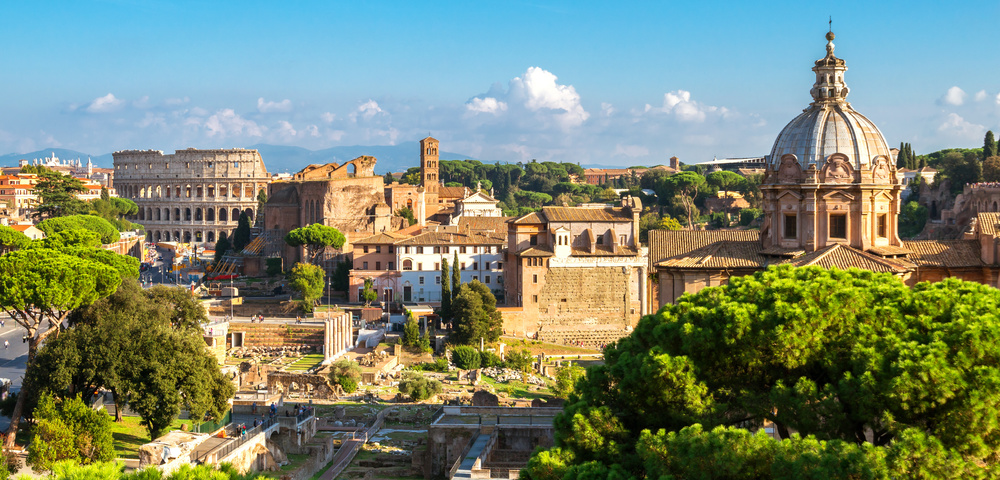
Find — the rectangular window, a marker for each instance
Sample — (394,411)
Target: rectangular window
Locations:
(437,266)
(475,278)
(437,280)
(882,225)
(391,266)
(463,265)
(487,279)
(499,267)
(446,250)
(499,278)
(534,299)
(364,265)
(461,249)
(420,266)
(534,278)
(378,248)
(390,249)
(421,280)
(622,240)
(437,249)
(364,249)
(838,225)
(475,265)
(533,240)
(791,222)
(378,265)
(475,249)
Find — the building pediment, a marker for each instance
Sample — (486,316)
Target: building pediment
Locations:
(783,193)
(838,195)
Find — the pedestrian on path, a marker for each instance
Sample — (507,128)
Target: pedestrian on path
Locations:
(6,344)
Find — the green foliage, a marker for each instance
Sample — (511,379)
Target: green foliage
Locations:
(520,360)
(342,276)
(748,215)
(274,266)
(411,332)
(489,359)
(418,387)
(991,169)
(912,219)
(439,364)
(93,223)
(241,236)
(316,238)
(407,213)
(444,311)
(425,342)
(465,357)
(725,181)
(881,380)
(685,186)
(989,145)
(307,281)
(566,378)
(345,373)
(69,430)
(456,281)
(11,239)
(368,293)
(222,246)
(57,195)
(68,470)
(349,384)
(475,315)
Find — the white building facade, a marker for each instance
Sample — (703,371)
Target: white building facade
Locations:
(420,257)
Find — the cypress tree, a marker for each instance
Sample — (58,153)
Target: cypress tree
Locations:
(456,277)
(901,160)
(989,146)
(445,310)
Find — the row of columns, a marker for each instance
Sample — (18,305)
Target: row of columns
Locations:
(163,214)
(186,236)
(211,190)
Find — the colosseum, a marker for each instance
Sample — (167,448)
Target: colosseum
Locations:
(192,195)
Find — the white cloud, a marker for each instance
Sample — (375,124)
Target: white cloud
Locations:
(142,102)
(286,130)
(486,105)
(679,104)
(607,109)
(107,103)
(312,130)
(269,107)
(173,102)
(954,96)
(981,95)
(152,119)
(227,122)
(534,94)
(998,99)
(956,126)
(328,117)
(631,151)
(367,111)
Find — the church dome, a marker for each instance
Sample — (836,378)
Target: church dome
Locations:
(829,125)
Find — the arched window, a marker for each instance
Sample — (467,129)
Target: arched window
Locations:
(197,214)
(407,264)
(249,213)
(210,215)
(211,235)
(187,215)
(236,215)
(159,214)
(222,215)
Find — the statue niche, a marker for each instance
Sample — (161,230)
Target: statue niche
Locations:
(881,171)
(789,171)
(837,170)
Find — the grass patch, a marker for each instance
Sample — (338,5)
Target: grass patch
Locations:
(129,435)
(305,363)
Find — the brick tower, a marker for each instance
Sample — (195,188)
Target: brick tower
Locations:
(429,166)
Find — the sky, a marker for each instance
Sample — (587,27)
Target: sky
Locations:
(590,82)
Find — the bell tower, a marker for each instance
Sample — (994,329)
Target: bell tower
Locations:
(429,165)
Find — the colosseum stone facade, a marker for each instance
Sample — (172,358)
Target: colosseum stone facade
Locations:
(191,195)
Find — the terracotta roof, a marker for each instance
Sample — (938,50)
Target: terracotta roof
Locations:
(536,251)
(844,257)
(451,192)
(605,251)
(577,214)
(447,238)
(987,222)
(664,244)
(888,250)
(782,252)
(945,253)
(381,239)
(721,255)
(533,217)
(21,228)
(927,170)
(481,224)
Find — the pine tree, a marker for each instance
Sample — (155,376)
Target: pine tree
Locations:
(989,145)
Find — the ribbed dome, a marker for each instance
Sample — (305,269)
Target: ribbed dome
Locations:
(830,125)
(823,130)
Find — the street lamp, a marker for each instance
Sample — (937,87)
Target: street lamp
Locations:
(231,298)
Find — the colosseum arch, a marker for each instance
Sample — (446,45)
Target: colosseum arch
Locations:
(236,215)
(142,214)
(249,213)
(187,237)
(211,235)
(197,215)
(187,214)
(210,214)
(159,214)
(222,215)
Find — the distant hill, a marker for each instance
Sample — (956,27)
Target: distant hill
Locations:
(278,158)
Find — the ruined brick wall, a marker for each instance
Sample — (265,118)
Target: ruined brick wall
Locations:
(586,297)
(271,335)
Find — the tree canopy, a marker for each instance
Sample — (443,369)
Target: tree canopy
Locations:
(67,429)
(241,236)
(876,377)
(11,239)
(307,281)
(95,224)
(315,238)
(57,194)
(474,314)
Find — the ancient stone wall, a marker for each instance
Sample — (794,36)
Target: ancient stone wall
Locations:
(315,386)
(585,297)
(279,335)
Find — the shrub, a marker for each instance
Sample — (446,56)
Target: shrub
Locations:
(465,357)
(748,215)
(419,387)
(348,384)
(519,360)
(489,359)
(273,266)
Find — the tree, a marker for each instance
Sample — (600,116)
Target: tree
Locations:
(445,310)
(989,145)
(411,332)
(241,236)
(221,247)
(406,213)
(566,378)
(726,181)
(307,281)
(57,195)
(135,345)
(991,169)
(685,186)
(345,373)
(750,189)
(418,387)
(68,429)
(342,276)
(39,287)
(465,357)
(456,280)
(475,314)
(912,219)
(95,224)
(368,293)
(11,239)
(316,238)
(864,368)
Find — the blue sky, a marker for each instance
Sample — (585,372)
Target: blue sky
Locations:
(618,83)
